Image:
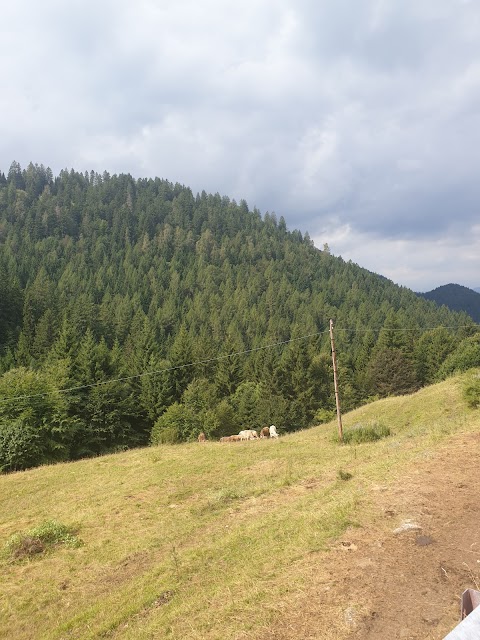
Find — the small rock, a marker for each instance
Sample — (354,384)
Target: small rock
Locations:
(423,541)
(350,617)
(364,563)
(407,525)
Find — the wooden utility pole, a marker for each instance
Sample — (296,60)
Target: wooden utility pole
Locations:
(335,383)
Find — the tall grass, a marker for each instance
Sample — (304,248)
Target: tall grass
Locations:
(360,433)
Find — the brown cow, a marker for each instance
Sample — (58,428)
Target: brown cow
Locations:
(202,437)
(230,439)
(265,432)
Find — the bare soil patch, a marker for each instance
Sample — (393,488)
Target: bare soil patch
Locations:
(376,584)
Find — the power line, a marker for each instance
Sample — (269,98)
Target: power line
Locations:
(216,359)
(151,373)
(419,329)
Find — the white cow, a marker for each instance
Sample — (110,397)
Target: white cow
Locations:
(273,431)
(248,434)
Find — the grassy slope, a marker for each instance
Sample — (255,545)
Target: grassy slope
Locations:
(202,541)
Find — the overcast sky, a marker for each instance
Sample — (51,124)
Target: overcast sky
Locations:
(357,120)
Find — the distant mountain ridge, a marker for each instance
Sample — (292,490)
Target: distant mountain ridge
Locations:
(457,298)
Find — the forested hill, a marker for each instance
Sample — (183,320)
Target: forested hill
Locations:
(456,297)
(107,278)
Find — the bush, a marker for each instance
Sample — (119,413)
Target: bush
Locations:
(466,356)
(21,446)
(471,390)
(365,433)
(344,475)
(34,427)
(178,424)
(324,415)
(165,434)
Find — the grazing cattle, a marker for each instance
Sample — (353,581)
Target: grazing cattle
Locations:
(273,431)
(265,432)
(230,439)
(202,437)
(248,434)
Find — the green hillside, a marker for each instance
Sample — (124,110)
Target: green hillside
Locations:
(131,305)
(456,297)
(203,540)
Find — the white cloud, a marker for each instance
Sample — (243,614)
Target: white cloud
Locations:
(420,264)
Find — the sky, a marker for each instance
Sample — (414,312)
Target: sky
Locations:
(358,121)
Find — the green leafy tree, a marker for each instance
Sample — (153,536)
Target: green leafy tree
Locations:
(466,356)
(391,373)
(245,402)
(431,350)
(110,414)
(180,357)
(201,397)
(156,387)
(225,422)
(34,426)
(299,382)
(178,424)
(229,368)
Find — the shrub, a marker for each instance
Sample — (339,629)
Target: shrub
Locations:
(466,356)
(365,433)
(34,427)
(324,415)
(178,424)
(165,434)
(21,446)
(471,390)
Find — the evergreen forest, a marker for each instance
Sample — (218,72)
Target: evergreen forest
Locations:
(135,311)
(456,297)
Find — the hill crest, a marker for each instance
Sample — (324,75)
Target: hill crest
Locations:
(457,298)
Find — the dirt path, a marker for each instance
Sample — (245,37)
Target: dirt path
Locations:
(381,585)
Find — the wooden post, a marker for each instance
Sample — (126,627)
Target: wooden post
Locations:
(335,384)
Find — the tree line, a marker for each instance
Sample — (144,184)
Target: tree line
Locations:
(107,277)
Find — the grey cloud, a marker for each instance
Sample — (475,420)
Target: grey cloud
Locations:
(361,113)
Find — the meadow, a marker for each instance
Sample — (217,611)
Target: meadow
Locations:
(203,541)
